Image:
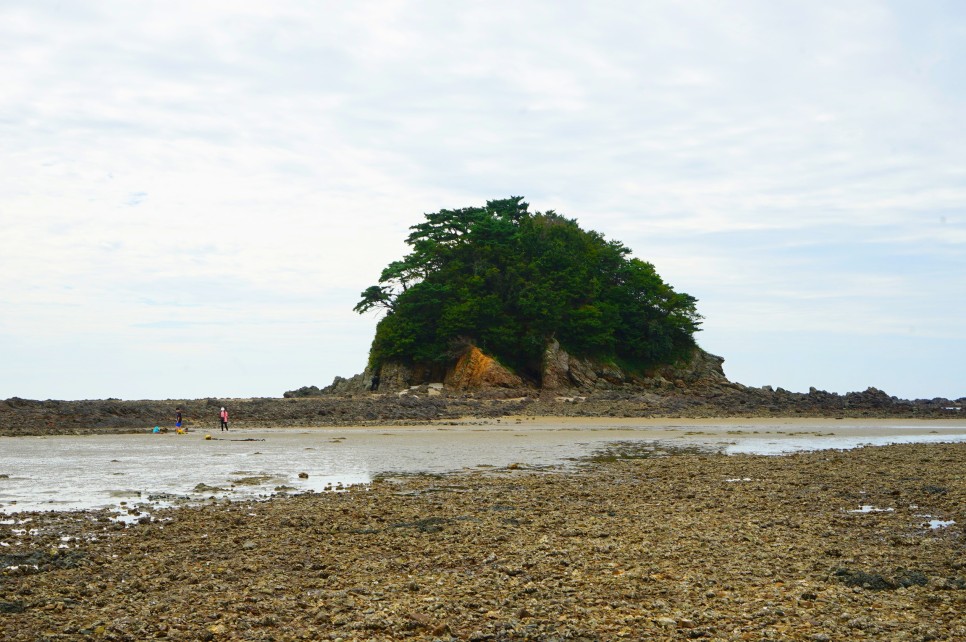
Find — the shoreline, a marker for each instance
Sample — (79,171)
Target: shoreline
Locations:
(496,421)
(144,472)
(418,406)
(838,426)
(810,546)
(726,420)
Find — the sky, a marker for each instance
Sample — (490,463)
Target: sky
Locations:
(193,195)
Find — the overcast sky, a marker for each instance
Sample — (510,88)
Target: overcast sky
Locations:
(193,194)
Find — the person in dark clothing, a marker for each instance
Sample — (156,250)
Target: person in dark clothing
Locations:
(375,383)
(177,423)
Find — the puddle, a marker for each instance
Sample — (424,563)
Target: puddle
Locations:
(790,443)
(868,508)
(936,524)
(941,523)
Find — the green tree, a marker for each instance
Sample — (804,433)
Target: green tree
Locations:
(509,281)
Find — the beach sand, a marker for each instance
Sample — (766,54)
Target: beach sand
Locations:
(827,545)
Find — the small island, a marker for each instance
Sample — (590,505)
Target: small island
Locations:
(499,312)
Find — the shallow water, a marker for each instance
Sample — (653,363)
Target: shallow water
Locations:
(151,470)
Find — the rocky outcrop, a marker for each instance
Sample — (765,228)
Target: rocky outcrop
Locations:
(555,374)
(869,398)
(561,370)
(340,386)
(474,369)
(395,376)
(575,386)
(703,368)
(422,404)
(309,391)
(352,385)
(590,373)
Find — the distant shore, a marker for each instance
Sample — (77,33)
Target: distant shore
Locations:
(420,405)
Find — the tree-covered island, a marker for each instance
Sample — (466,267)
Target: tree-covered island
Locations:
(524,288)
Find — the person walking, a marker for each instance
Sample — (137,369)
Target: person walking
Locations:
(224,418)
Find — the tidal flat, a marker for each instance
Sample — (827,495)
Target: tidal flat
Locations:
(146,471)
(823,545)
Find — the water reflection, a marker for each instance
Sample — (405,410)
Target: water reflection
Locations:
(137,472)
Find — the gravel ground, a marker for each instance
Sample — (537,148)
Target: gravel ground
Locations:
(827,545)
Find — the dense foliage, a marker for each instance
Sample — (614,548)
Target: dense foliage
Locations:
(509,281)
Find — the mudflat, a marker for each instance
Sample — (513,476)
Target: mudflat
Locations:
(826,545)
(71,472)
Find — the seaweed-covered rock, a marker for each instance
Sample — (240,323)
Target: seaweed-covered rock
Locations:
(664,547)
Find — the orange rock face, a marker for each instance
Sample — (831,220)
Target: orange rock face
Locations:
(477,370)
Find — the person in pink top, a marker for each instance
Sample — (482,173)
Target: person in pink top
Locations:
(224,418)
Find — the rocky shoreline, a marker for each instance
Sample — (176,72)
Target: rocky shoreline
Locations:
(428,403)
(830,545)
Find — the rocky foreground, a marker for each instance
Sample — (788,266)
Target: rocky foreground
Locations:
(817,546)
(427,403)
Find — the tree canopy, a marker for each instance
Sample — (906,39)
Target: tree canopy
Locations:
(510,281)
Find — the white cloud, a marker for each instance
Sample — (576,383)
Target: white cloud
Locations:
(241,171)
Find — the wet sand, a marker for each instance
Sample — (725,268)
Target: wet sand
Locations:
(825,545)
(147,471)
